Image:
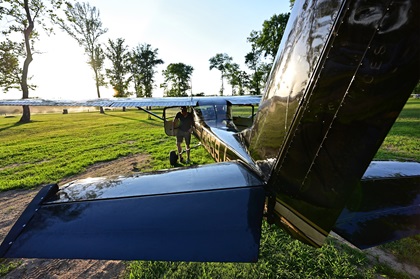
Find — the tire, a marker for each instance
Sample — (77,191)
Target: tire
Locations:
(173,157)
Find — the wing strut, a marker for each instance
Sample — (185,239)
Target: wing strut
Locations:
(151,113)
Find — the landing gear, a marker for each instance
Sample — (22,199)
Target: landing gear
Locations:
(173,157)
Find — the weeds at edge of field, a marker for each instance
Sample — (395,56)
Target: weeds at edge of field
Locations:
(6,265)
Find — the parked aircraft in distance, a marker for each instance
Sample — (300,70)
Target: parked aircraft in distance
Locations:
(343,72)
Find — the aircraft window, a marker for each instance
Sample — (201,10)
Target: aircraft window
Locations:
(170,113)
(216,116)
(243,116)
(214,112)
(243,111)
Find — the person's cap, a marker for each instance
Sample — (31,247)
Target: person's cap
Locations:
(183,107)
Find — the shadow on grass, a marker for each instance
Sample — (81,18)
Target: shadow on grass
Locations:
(17,124)
(10,126)
(149,121)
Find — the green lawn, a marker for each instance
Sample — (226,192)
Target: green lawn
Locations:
(55,146)
(403,141)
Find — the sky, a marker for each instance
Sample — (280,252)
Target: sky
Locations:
(183,31)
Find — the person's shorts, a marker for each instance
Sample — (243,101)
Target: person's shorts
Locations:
(183,135)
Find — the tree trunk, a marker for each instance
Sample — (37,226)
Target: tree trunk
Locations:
(101,109)
(26,114)
(222,88)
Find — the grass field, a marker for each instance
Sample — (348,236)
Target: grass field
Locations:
(55,146)
(403,141)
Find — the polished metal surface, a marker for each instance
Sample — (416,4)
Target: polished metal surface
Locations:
(210,222)
(384,207)
(133,102)
(305,42)
(343,73)
(198,178)
(62,103)
(391,169)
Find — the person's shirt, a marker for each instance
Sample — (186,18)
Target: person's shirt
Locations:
(185,122)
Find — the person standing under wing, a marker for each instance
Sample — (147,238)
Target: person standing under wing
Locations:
(186,121)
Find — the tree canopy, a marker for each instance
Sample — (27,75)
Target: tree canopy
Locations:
(10,70)
(119,56)
(220,62)
(143,62)
(264,46)
(85,26)
(24,17)
(267,40)
(177,77)
(82,22)
(238,79)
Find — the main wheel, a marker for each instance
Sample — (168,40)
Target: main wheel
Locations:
(173,157)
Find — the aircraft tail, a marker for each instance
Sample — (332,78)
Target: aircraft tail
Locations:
(343,73)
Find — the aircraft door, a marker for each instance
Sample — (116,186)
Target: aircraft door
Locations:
(169,114)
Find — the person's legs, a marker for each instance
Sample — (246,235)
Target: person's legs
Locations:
(179,151)
(179,147)
(187,145)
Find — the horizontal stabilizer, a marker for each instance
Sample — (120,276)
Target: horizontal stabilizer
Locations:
(207,213)
(385,207)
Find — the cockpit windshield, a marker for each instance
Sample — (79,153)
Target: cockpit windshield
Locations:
(218,116)
(226,116)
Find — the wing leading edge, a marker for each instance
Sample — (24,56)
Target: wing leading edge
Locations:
(208,213)
(134,102)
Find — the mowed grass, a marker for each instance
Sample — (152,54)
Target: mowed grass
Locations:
(403,141)
(55,146)
(280,256)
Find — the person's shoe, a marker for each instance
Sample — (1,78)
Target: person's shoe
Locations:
(181,160)
(188,161)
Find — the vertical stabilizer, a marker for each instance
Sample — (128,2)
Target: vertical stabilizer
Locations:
(343,73)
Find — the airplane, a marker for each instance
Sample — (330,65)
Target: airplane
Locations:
(342,74)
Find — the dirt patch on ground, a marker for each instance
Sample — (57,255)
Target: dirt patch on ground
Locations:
(14,202)
(377,255)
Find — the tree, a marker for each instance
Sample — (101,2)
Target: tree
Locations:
(96,62)
(119,56)
(85,26)
(292,2)
(267,40)
(10,71)
(143,63)
(177,79)
(237,78)
(260,71)
(257,80)
(22,17)
(264,46)
(220,62)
